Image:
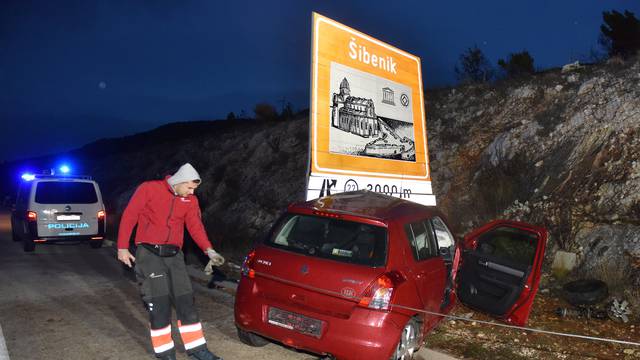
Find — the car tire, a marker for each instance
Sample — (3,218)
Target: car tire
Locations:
(14,234)
(251,339)
(95,244)
(28,245)
(407,344)
(585,292)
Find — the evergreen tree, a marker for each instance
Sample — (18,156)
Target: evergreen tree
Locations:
(265,111)
(620,33)
(518,64)
(287,112)
(473,67)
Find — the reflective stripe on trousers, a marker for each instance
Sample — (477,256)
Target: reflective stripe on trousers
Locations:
(161,339)
(192,335)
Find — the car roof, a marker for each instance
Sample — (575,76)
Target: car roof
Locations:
(80,178)
(364,203)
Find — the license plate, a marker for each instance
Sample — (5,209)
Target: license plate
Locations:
(296,322)
(67,217)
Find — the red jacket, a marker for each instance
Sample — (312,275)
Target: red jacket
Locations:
(161,216)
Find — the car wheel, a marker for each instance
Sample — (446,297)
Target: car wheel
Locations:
(28,245)
(408,343)
(251,339)
(585,292)
(14,234)
(95,244)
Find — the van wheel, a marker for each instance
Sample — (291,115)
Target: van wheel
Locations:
(28,245)
(408,343)
(251,339)
(95,244)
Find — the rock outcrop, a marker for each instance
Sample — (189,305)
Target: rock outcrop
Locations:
(560,149)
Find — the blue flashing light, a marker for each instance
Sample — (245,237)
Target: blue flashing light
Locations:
(28,177)
(65,169)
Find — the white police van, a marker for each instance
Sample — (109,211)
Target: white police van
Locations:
(53,208)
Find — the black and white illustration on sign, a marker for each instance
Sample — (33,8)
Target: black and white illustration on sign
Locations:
(370,116)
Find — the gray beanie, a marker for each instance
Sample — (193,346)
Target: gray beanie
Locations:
(184,174)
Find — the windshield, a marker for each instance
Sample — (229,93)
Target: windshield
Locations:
(335,239)
(66,192)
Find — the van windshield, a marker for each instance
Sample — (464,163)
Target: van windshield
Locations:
(66,192)
(344,241)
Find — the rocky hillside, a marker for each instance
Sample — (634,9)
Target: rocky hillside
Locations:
(556,149)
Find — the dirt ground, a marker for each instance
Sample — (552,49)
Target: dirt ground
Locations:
(474,340)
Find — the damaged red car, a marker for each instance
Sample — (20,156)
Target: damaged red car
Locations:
(362,275)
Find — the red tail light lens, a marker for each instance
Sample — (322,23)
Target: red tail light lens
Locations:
(32,216)
(247,265)
(101,215)
(380,293)
(326,214)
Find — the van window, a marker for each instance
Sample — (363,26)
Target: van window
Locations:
(335,239)
(65,192)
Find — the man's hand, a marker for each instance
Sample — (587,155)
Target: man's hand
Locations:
(216,259)
(125,256)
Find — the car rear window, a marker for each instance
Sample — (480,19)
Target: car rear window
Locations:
(66,192)
(340,240)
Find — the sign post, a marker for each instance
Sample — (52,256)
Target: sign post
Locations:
(368,128)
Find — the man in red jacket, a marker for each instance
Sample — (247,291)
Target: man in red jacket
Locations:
(161,209)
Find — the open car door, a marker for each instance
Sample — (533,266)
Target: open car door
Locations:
(500,268)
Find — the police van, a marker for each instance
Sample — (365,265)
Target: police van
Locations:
(52,208)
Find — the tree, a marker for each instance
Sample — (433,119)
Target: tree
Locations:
(518,64)
(620,33)
(231,116)
(287,112)
(265,111)
(473,67)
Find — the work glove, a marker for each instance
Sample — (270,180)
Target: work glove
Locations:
(215,260)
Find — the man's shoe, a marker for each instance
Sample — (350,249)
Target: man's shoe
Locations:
(203,354)
(171,356)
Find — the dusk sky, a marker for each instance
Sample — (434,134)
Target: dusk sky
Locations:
(76,71)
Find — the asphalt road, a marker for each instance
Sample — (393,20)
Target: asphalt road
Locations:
(72,302)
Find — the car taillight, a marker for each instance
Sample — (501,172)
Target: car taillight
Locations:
(380,293)
(247,265)
(101,215)
(327,214)
(32,216)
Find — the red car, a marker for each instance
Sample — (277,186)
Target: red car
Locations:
(362,275)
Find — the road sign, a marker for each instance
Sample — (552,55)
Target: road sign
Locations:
(368,128)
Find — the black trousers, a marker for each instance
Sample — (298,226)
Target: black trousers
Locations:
(164,282)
